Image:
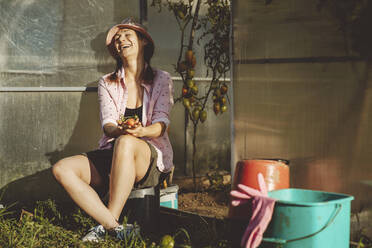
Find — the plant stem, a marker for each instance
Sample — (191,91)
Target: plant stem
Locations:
(194,155)
(194,21)
(182,42)
(191,41)
(209,90)
(185,135)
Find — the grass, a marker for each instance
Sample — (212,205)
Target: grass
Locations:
(49,225)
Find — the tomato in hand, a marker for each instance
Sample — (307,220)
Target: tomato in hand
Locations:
(130,122)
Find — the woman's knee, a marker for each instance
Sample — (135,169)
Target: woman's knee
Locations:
(63,169)
(125,143)
(59,170)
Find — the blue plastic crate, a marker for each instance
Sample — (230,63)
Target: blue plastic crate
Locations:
(169,197)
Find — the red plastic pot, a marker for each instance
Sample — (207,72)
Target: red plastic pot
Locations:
(274,171)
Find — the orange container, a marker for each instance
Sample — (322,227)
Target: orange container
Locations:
(274,171)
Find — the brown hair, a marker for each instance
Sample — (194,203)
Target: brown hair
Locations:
(148,74)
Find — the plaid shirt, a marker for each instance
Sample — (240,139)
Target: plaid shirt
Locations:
(157,103)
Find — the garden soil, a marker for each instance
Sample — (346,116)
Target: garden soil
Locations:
(212,197)
(211,203)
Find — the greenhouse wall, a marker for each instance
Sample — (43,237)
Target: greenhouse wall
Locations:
(52,54)
(300,95)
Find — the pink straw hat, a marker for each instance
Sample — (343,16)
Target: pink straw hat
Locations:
(129,23)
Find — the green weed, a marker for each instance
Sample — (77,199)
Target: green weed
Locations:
(47,226)
(51,225)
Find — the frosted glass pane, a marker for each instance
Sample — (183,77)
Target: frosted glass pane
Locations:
(57,43)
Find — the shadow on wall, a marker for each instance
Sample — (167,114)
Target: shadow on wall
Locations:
(85,136)
(101,54)
(37,187)
(42,185)
(340,168)
(87,130)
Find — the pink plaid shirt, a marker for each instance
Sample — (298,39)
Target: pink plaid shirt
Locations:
(157,103)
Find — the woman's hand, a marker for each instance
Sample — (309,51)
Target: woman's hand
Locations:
(129,125)
(151,131)
(138,131)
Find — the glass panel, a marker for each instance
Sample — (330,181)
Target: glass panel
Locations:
(57,43)
(298,97)
(167,36)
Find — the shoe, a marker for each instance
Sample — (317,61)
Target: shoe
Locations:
(95,234)
(123,232)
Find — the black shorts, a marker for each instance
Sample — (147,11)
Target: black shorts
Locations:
(102,160)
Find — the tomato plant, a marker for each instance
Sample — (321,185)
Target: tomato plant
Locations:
(215,27)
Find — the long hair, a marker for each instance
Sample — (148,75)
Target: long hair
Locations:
(148,73)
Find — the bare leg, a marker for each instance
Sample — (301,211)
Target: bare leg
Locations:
(76,174)
(130,163)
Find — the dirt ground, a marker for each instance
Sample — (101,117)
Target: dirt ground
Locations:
(212,197)
(210,203)
(208,200)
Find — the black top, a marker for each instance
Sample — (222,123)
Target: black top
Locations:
(132,112)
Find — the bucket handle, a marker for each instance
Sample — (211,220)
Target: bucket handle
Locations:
(283,241)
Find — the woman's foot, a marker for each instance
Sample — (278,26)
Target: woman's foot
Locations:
(95,234)
(125,231)
(122,232)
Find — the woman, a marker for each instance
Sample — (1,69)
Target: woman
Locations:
(126,158)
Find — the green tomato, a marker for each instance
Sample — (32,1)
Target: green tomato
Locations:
(186,102)
(167,241)
(195,114)
(223,108)
(181,15)
(190,83)
(190,73)
(203,116)
(194,89)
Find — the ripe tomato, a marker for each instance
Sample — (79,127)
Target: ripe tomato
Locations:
(130,122)
(224,89)
(216,107)
(188,56)
(182,67)
(184,91)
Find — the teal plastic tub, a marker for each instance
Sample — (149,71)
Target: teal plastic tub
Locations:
(307,218)
(169,197)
